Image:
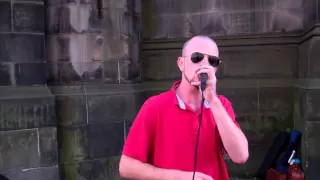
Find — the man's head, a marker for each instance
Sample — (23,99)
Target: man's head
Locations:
(199,50)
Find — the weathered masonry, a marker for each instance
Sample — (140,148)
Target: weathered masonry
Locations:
(74,73)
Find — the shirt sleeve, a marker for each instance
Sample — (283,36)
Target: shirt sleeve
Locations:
(140,140)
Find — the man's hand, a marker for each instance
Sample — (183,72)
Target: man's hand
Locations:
(182,175)
(210,93)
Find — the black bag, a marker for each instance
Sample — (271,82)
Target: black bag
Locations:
(278,146)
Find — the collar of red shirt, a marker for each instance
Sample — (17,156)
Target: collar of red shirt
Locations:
(178,100)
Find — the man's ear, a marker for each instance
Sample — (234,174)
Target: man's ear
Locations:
(180,64)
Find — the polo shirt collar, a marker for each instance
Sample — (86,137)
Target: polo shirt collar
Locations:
(178,100)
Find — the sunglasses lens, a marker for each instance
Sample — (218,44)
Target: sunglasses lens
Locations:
(214,61)
(196,57)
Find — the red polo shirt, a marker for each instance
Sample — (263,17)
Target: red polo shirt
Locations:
(164,134)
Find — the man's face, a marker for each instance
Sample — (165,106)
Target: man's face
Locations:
(202,50)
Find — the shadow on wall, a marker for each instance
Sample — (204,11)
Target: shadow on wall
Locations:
(184,18)
(76,56)
(83,46)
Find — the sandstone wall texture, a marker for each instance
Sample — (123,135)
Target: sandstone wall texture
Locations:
(74,73)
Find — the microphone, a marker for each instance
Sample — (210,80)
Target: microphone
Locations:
(203,80)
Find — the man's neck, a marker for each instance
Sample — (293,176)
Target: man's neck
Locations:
(189,94)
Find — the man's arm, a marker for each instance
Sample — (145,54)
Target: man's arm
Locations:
(135,169)
(233,139)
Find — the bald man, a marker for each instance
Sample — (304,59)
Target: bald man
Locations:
(161,144)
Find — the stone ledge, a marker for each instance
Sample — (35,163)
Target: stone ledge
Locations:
(24,92)
(238,40)
(308,83)
(162,85)
(227,41)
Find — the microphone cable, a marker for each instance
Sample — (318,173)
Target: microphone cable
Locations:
(198,135)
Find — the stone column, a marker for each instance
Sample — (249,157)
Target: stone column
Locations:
(28,145)
(307,91)
(94,58)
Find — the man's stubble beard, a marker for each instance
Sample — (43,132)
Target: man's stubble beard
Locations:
(189,81)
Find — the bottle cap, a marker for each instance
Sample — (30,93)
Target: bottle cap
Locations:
(297,160)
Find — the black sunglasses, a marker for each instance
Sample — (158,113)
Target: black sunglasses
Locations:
(213,60)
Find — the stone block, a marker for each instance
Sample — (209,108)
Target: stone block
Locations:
(234,6)
(48,146)
(309,58)
(92,141)
(118,4)
(48,173)
(311,105)
(5,74)
(318,15)
(257,153)
(118,22)
(114,168)
(5,16)
(212,24)
(73,144)
(31,73)
(98,169)
(310,13)
(128,125)
(259,128)
(244,100)
(276,99)
(160,66)
(115,107)
(137,6)
(305,54)
(111,71)
(28,17)
(71,110)
(26,113)
(67,72)
(258,62)
(130,72)
(75,57)
(287,20)
(105,140)
(21,48)
(262,21)
(71,18)
(186,7)
(91,169)
(118,49)
(264,4)
(290,4)
(19,150)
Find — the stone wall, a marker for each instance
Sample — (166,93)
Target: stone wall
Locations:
(66,108)
(93,49)
(183,18)
(28,133)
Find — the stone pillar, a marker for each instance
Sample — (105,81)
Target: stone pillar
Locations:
(94,58)
(28,143)
(307,91)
